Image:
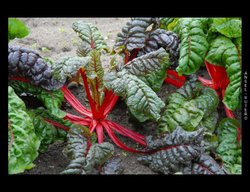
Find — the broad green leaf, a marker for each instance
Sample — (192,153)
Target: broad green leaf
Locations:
(51,99)
(229,149)
(189,107)
(156,79)
(45,131)
(16,29)
(24,149)
(148,63)
(68,66)
(230,27)
(193,46)
(224,53)
(90,35)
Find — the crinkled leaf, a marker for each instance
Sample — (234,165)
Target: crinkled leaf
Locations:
(45,131)
(84,160)
(188,107)
(156,79)
(229,149)
(113,167)
(205,164)
(24,149)
(175,150)
(68,66)
(16,29)
(76,150)
(193,46)
(224,53)
(52,100)
(98,154)
(230,27)
(133,34)
(30,65)
(161,38)
(147,63)
(90,35)
(142,100)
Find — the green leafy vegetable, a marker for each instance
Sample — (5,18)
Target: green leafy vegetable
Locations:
(16,29)
(25,143)
(142,100)
(193,46)
(224,53)
(84,160)
(189,107)
(90,35)
(230,27)
(229,149)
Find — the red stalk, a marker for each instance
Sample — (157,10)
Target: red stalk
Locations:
(57,124)
(111,104)
(72,100)
(116,140)
(113,124)
(93,125)
(76,118)
(174,82)
(91,101)
(19,79)
(175,74)
(132,136)
(99,132)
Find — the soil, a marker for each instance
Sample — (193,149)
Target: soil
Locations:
(54,38)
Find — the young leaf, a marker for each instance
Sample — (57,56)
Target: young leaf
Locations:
(24,149)
(16,29)
(193,46)
(90,35)
(229,149)
(224,53)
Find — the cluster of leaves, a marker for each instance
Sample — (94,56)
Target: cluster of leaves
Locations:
(31,130)
(191,117)
(180,151)
(215,40)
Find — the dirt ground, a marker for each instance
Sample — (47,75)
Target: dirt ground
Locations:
(54,38)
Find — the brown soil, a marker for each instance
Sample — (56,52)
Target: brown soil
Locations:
(54,38)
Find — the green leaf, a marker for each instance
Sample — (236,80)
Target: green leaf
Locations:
(24,149)
(16,29)
(194,45)
(52,100)
(147,63)
(45,131)
(90,35)
(68,66)
(224,53)
(188,107)
(230,27)
(229,149)
(156,79)
(84,161)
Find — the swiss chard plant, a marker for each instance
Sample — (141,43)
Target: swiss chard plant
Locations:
(217,43)
(144,35)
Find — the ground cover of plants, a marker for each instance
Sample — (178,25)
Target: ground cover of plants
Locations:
(55,38)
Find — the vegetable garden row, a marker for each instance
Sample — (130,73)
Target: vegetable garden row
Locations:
(189,138)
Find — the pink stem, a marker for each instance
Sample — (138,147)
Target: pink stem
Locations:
(99,131)
(57,124)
